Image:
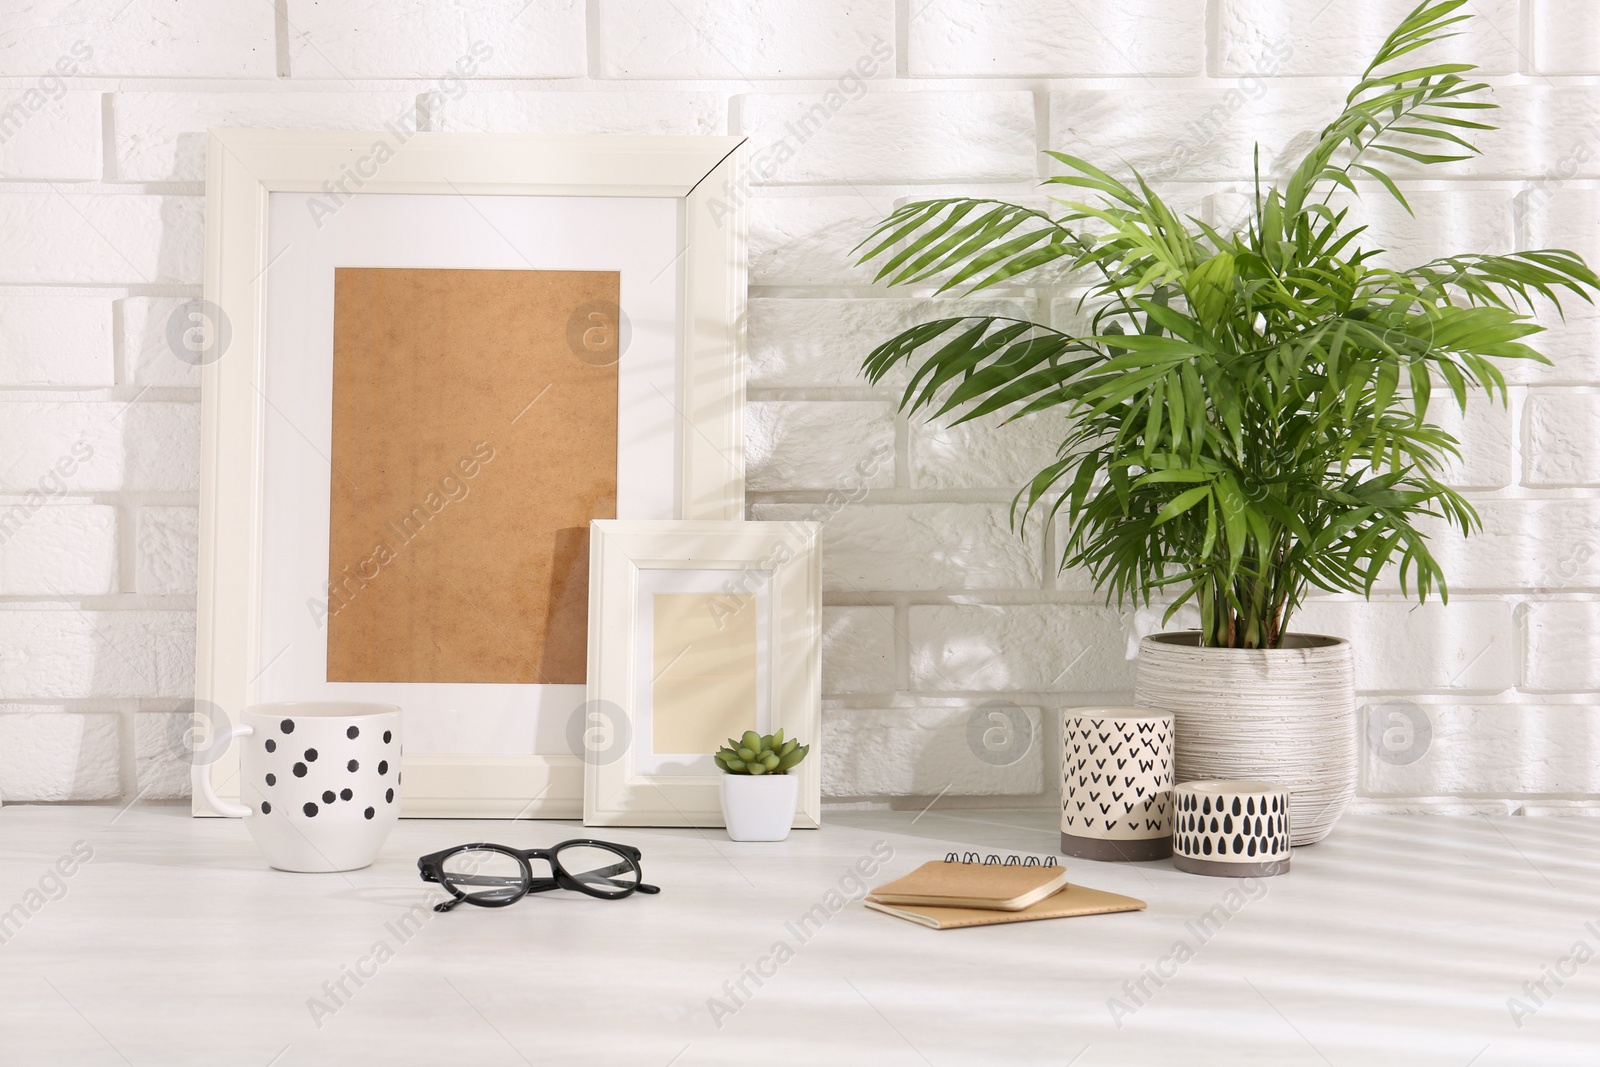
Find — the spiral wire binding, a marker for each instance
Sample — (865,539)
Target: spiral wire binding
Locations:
(993,860)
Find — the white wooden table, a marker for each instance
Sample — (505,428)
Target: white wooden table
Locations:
(1396,941)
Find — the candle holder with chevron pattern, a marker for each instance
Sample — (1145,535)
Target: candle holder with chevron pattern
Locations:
(1116,787)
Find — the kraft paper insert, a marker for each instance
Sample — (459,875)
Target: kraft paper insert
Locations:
(474,437)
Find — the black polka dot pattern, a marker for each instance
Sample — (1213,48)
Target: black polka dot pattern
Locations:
(318,794)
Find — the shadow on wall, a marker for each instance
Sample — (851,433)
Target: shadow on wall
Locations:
(149,657)
(52,752)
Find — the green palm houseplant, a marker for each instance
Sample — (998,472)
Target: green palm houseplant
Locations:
(1245,418)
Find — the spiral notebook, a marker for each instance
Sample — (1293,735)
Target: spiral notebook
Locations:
(957,883)
(988,894)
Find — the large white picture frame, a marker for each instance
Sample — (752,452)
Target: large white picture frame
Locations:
(244,168)
(776,567)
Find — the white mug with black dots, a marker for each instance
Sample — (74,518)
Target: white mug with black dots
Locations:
(319,781)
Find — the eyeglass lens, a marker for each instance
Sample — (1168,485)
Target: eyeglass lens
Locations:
(603,871)
(484,874)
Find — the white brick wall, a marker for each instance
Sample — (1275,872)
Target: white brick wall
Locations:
(1557,214)
(1546,132)
(57,754)
(740,42)
(1482,433)
(1444,222)
(1038,648)
(1562,642)
(146,348)
(162,136)
(100,445)
(917,547)
(935,608)
(858,650)
(166,549)
(100,238)
(1548,545)
(809,139)
(59,140)
(1465,645)
(1493,748)
(519,111)
(817,342)
(1562,428)
(161,753)
(1277,37)
(70,652)
(107,38)
(1045,37)
(56,340)
(1202,134)
(418,39)
(808,240)
(1566,36)
(983,453)
(923,752)
(791,444)
(58,550)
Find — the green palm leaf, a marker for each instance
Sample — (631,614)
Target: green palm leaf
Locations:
(1247,416)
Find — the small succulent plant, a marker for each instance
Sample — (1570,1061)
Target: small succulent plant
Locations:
(754,754)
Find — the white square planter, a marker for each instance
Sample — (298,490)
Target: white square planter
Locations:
(759,807)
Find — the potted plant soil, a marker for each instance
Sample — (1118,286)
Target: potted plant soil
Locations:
(1245,418)
(758,792)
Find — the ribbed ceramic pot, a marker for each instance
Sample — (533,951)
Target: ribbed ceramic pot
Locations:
(1231,829)
(1286,715)
(1116,784)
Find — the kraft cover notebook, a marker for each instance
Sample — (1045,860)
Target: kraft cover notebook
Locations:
(1010,887)
(1071,901)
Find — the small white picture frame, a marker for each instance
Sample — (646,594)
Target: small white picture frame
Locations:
(721,571)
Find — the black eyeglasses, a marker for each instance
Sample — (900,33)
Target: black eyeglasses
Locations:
(493,876)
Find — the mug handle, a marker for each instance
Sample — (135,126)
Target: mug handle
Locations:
(202,777)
